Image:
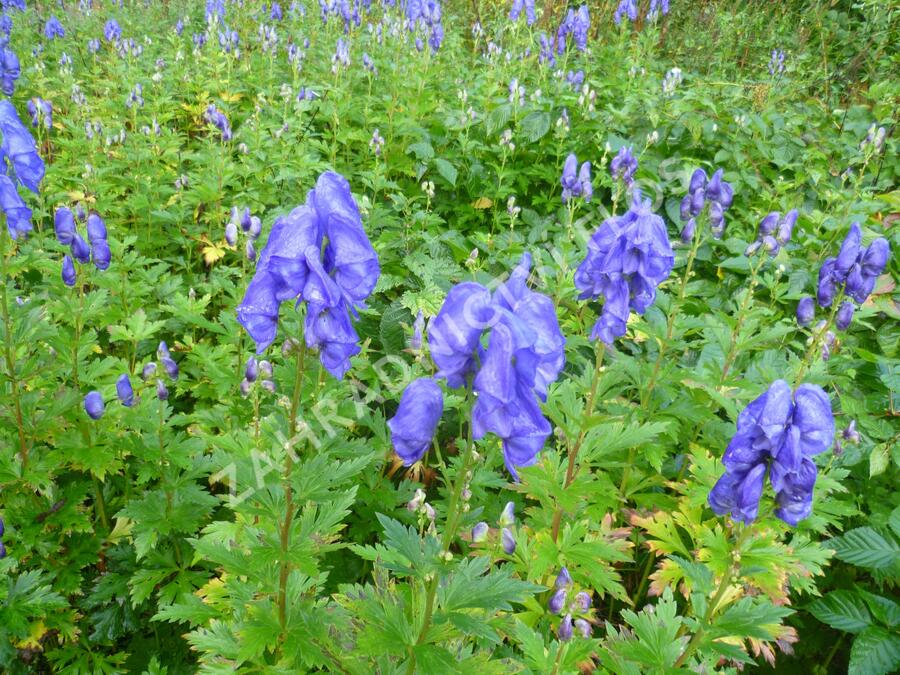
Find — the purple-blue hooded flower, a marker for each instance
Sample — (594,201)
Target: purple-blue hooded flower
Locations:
(844,315)
(19,148)
(18,215)
(68,271)
(806,311)
(80,249)
(417,417)
(124,390)
(455,333)
(93,405)
(112,31)
(53,29)
(628,257)
(623,166)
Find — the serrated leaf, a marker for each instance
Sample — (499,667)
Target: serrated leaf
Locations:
(866,547)
(844,610)
(875,651)
(447,170)
(535,126)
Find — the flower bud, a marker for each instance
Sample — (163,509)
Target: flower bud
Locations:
(268,385)
(768,224)
(255,228)
(252,370)
(480,532)
(687,232)
(563,579)
(161,392)
(806,311)
(162,351)
(93,405)
(124,390)
(508,541)
(417,500)
(557,601)
(752,248)
(583,600)
(850,433)
(844,315)
(564,632)
(250,251)
(584,628)
(265,368)
(508,517)
(68,272)
(171,367)
(148,371)
(231,233)
(245,388)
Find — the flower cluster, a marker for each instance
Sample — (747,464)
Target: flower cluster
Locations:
(778,433)
(516,10)
(18,153)
(67,234)
(40,111)
(776,63)
(525,353)
(332,279)
(774,232)
(249,225)
(217,118)
(855,269)
(671,81)
(628,257)
(253,371)
(577,24)
(148,372)
(578,606)
(376,144)
(702,192)
(623,166)
(135,97)
(629,8)
(53,29)
(576,182)
(112,31)
(507,520)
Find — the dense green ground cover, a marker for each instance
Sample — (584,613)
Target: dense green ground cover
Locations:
(271,526)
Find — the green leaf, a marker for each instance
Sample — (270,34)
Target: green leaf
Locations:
(875,651)
(866,547)
(844,610)
(497,118)
(447,170)
(535,126)
(422,150)
(879,460)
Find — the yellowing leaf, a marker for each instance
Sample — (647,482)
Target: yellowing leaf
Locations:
(33,640)
(483,203)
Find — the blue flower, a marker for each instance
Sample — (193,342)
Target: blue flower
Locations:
(80,249)
(19,148)
(856,268)
(455,332)
(10,70)
(778,432)
(576,182)
(93,405)
(623,166)
(40,110)
(806,311)
(68,271)
(112,30)
(53,29)
(628,257)
(100,254)
(18,215)
(626,8)
(714,192)
(416,420)
(334,281)
(124,390)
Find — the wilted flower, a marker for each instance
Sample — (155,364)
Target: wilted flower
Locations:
(778,432)
(417,417)
(124,390)
(93,405)
(628,257)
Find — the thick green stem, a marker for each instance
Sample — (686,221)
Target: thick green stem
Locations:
(573,451)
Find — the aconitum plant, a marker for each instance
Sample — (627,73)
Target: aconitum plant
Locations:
(627,258)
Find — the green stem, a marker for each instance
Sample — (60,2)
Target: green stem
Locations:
(813,352)
(742,314)
(453,518)
(573,451)
(11,358)
(713,605)
(289,490)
